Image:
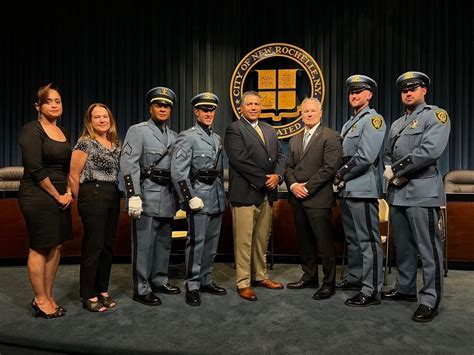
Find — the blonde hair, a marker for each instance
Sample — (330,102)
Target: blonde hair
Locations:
(88,131)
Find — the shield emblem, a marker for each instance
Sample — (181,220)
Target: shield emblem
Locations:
(277,87)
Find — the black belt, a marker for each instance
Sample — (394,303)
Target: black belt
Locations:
(206,176)
(158,176)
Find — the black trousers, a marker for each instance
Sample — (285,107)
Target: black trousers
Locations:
(99,208)
(313,226)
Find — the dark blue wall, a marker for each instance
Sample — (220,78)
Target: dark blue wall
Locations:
(114,55)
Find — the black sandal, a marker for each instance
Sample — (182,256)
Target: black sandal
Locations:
(61,309)
(40,313)
(107,301)
(93,306)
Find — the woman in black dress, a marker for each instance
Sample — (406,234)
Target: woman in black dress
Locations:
(94,182)
(45,197)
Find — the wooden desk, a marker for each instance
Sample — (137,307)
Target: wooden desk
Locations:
(14,239)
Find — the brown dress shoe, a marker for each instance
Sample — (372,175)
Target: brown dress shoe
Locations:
(247,294)
(268,284)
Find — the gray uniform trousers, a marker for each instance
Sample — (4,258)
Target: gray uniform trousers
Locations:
(150,253)
(417,232)
(201,248)
(360,220)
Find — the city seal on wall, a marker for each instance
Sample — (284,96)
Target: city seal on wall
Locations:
(283,75)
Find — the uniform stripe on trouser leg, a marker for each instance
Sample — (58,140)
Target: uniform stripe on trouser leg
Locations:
(192,245)
(432,228)
(134,256)
(373,247)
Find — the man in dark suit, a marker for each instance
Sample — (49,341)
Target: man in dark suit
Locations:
(256,168)
(314,156)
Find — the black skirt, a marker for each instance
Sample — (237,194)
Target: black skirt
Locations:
(47,223)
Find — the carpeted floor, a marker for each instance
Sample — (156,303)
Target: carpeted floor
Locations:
(284,321)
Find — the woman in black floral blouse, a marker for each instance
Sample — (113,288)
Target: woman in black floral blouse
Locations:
(94,182)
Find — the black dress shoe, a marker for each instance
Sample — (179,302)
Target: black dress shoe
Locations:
(361,300)
(193,298)
(213,289)
(394,295)
(346,285)
(148,300)
(424,314)
(302,284)
(168,289)
(323,293)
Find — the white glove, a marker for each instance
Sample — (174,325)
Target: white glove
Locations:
(135,206)
(388,173)
(195,203)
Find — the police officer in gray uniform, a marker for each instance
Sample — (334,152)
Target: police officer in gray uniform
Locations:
(196,171)
(415,194)
(359,185)
(145,166)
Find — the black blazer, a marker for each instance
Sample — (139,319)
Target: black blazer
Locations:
(317,166)
(250,160)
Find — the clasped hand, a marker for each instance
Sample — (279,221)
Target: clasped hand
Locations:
(272,181)
(299,190)
(65,200)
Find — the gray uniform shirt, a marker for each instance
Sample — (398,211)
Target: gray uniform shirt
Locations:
(143,145)
(195,150)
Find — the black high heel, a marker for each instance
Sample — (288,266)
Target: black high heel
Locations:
(42,314)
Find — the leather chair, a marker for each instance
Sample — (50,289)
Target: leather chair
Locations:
(455,182)
(10,178)
(459,182)
(180,228)
(179,232)
(383,218)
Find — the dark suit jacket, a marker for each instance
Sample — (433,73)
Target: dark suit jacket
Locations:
(316,166)
(250,160)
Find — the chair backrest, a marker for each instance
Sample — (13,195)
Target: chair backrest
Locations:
(180,214)
(10,177)
(180,230)
(459,181)
(225,178)
(383,211)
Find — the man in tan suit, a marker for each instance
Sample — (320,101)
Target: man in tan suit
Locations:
(314,156)
(256,167)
